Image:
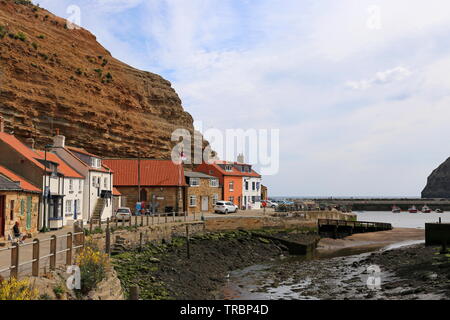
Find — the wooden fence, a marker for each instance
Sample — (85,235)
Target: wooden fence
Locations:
(74,241)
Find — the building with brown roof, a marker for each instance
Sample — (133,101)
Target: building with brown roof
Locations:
(19,202)
(154,183)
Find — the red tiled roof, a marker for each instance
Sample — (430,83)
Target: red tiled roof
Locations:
(116,192)
(24,184)
(234,171)
(63,167)
(20,147)
(153,172)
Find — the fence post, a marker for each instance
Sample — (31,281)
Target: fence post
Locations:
(187,242)
(153,219)
(14,261)
(148,219)
(131,218)
(135,221)
(166,217)
(90,226)
(53,253)
(142,220)
(108,241)
(100,222)
(173,215)
(141,238)
(35,263)
(69,249)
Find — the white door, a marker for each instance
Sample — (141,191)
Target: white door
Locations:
(205,202)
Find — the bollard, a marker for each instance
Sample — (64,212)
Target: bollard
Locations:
(134,293)
(35,263)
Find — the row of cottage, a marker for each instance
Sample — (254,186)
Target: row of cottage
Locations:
(52,188)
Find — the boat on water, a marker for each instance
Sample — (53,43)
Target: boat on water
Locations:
(396,209)
(413,209)
(426,209)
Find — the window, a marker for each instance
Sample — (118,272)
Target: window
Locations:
(228,167)
(215,198)
(231,185)
(68,206)
(96,163)
(93,181)
(253,186)
(22,207)
(11,212)
(78,206)
(194,182)
(246,185)
(214,183)
(193,201)
(70,184)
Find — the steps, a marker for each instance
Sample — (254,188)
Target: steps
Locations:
(98,211)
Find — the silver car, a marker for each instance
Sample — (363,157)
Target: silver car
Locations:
(123,214)
(225,207)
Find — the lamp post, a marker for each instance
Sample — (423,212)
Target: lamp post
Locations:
(46,194)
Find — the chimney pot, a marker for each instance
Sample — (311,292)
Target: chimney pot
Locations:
(30,142)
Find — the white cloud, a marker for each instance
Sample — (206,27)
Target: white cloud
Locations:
(382,77)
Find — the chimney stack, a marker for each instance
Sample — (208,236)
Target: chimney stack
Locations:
(59,141)
(30,142)
(2,124)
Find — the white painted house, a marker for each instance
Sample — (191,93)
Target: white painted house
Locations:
(98,184)
(251,185)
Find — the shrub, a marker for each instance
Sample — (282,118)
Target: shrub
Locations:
(34,45)
(14,289)
(2,32)
(79,72)
(105,62)
(41,36)
(59,291)
(21,36)
(93,266)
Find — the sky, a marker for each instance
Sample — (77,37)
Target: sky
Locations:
(359,90)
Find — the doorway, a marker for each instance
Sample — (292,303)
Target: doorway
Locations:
(2,216)
(205,203)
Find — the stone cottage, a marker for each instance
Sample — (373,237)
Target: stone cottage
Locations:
(202,193)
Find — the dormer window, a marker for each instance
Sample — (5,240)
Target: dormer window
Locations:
(96,163)
(228,168)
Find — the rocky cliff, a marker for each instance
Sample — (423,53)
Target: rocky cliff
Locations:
(53,76)
(438,185)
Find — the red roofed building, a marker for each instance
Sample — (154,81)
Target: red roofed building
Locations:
(147,180)
(19,202)
(61,184)
(241,184)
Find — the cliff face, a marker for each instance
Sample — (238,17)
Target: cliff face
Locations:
(54,77)
(438,185)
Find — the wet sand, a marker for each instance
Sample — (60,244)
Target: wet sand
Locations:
(372,240)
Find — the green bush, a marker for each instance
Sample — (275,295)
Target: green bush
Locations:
(21,36)
(34,45)
(41,36)
(2,32)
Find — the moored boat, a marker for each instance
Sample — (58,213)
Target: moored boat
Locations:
(426,209)
(396,209)
(413,209)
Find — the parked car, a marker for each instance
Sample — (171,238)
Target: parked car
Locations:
(123,214)
(270,204)
(225,207)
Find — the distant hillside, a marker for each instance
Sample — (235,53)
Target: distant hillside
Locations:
(438,185)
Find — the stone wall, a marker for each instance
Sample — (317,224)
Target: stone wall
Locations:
(19,214)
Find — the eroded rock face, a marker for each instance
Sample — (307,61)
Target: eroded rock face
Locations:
(438,185)
(54,77)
